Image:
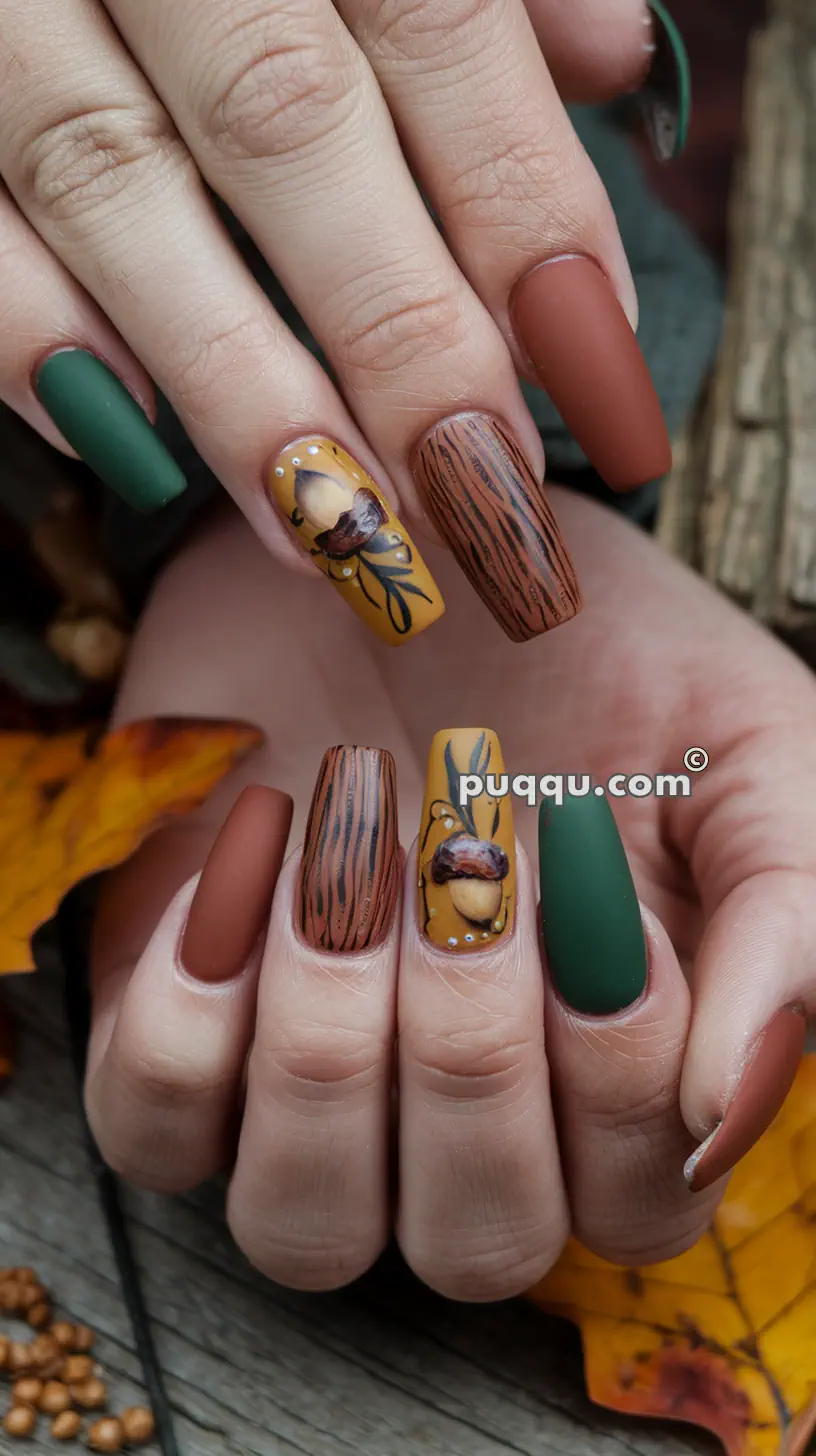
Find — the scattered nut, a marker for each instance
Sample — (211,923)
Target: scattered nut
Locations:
(106,1435)
(138,1425)
(45,1355)
(5,1345)
(84,1338)
(19,1358)
(66,1425)
(27,1390)
(25,1276)
(39,1315)
(91,1394)
(28,1295)
(10,1295)
(76,1369)
(19,1421)
(64,1334)
(55,1398)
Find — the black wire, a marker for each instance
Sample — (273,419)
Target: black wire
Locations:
(73,920)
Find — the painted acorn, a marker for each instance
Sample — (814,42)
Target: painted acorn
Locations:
(347,518)
(474,871)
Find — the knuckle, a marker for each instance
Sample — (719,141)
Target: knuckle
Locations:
(319,1065)
(417,29)
(281,97)
(81,162)
(482,1064)
(382,336)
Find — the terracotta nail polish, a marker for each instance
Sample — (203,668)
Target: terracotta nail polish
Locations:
(766,1081)
(467,852)
(480,491)
(340,517)
(350,871)
(234,894)
(584,353)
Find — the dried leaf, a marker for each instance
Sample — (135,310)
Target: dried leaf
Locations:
(74,804)
(725,1335)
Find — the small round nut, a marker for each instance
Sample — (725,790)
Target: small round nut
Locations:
(66,1426)
(19,1421)
(29,1295)
(91,1394)
(106,1435)
(5,1346)
(19,1358)
(10,1296)
(84,1339)
(27,1390)
(39,1315)
(138,1425)
(76,1369)
(26,1276)
(55,1398)
(64,1334)
(45,1355)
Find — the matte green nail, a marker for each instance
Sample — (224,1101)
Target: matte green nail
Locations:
(109,431)
(590,914)
(665,97)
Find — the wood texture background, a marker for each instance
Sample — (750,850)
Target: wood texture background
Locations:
(383,1369)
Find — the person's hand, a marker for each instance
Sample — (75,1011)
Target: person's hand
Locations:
(306,118)
(286,1023)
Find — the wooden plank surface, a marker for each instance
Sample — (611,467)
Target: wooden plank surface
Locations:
(383,1369)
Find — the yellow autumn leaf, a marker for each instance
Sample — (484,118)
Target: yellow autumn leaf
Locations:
(725,1335)
(75,803)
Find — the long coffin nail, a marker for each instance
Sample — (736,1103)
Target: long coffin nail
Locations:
(341,518)
(109,431)
(665,96)
(467,851)
(234,894)
(585,355)
(591,921)
(765,1083)
(487,504)
(350,872)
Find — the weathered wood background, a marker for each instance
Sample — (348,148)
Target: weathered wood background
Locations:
(384,1369)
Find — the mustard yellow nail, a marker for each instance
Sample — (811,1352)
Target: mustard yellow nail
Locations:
(467,850)
(342,519)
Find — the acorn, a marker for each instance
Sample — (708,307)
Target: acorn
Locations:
(355,527)
(474,871)
(321,499)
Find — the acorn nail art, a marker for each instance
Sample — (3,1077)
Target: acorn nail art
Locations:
(467,854)
(340,517)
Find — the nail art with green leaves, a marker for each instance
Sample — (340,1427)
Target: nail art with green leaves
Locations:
(665,97)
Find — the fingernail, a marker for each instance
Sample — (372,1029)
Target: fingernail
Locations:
(343,521)
(350,871)
(487,504)
(109,431)
(585,355)
(233,897)
(591,921)
(467,852)
(665,96)
(765,1083)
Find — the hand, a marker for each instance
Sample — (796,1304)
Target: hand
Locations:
(641,1068)
(114,259)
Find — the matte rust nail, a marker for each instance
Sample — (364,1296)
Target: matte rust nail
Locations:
(467,852)
(764,1085)
(340,517)
(350,871)
(585,355)
(482,494)
(234,894)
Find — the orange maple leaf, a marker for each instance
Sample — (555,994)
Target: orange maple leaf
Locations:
(725,1335)
(75,803)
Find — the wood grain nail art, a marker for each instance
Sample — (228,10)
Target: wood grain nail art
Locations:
(487,504)
(349,875)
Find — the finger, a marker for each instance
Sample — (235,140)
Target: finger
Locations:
(497,155)
(618,1012)
(482,1211)
(171,1034)
(242,386)
(287,123)
(595,49)
(309,1198)
(44,314)
(753,860)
